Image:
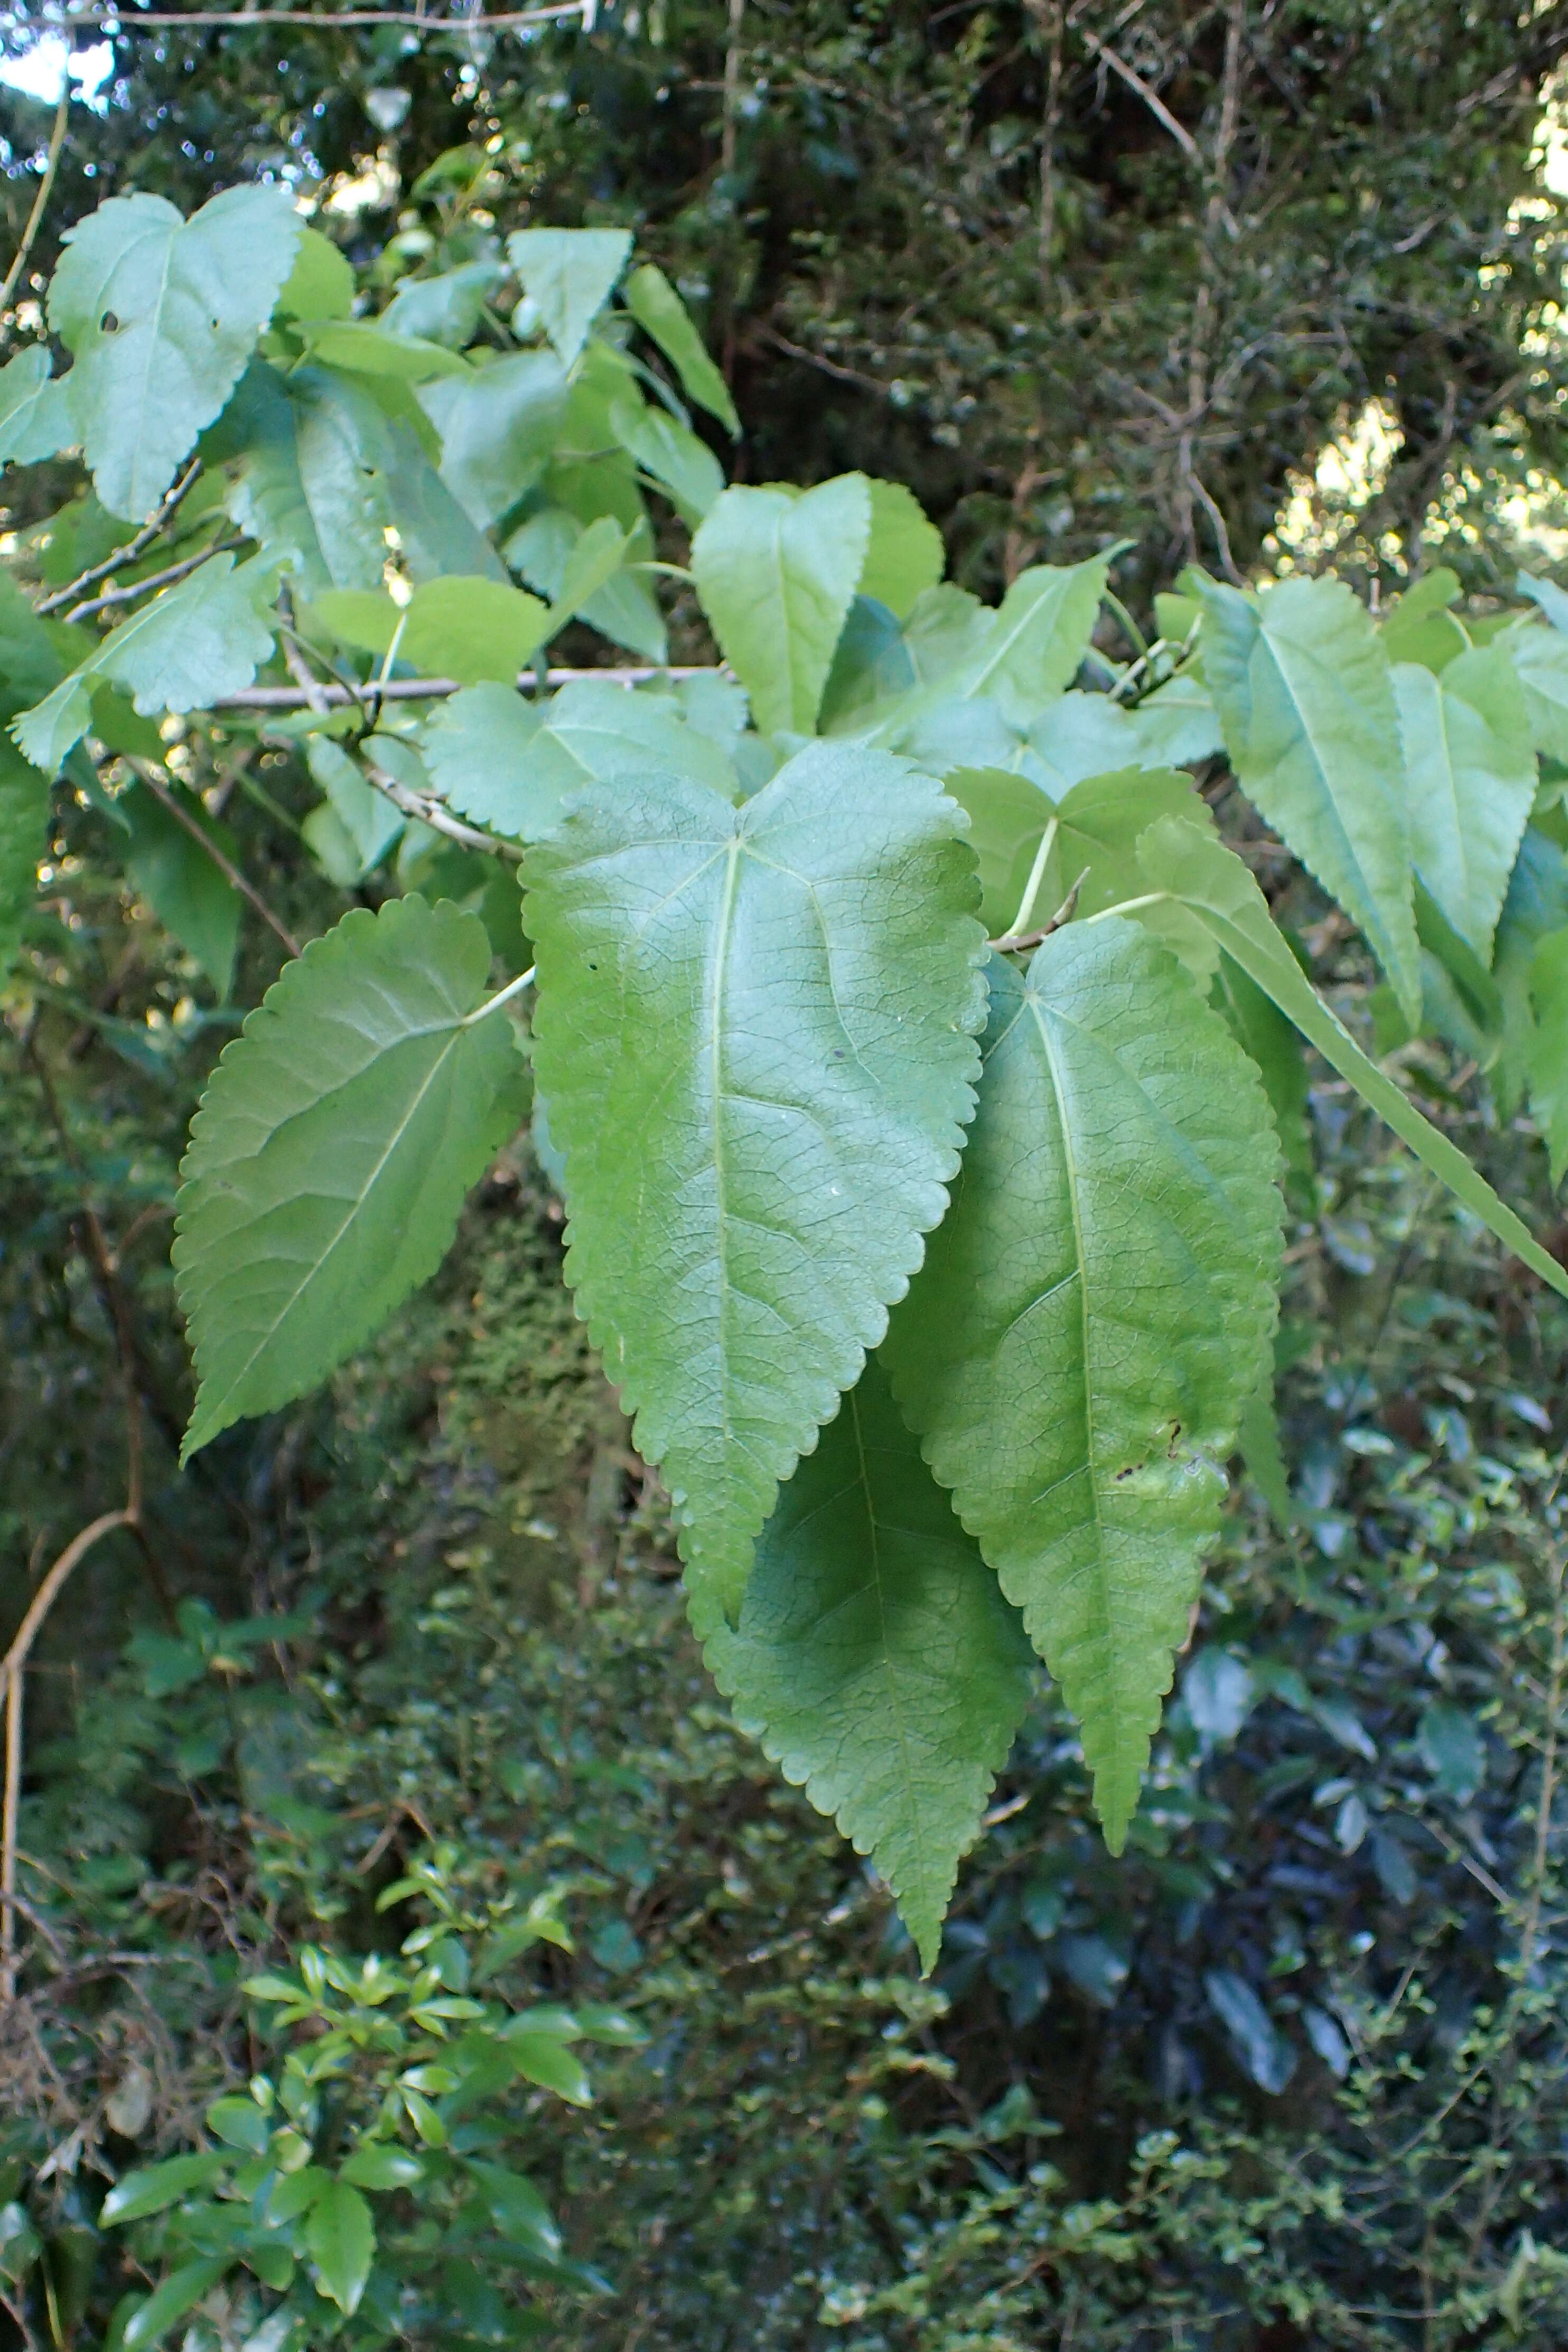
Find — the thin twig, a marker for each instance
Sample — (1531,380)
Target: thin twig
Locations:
(1150,97)
(36,217)
(131,549)
(134,588)
(129,18)
(731,102)
(431,813)
(319,696)
(11,1667)
(226,866)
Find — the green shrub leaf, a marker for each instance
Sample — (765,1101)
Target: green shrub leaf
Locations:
(498,428)
(1200,873)
(661,312)
(23,825)
(191,897)
(162,315)
(36,419)
(905,555)
(570,274)
(333,1150)
(791,1060)
(340,2237)
(776,574)
(204,638)
(1472,777)
(1549,1047)
(1093,1315)
(509,764)
(1305,696)
(877,1660)
(170,2300)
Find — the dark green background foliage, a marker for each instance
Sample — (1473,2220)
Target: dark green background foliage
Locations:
(953,247)
(1288,2075)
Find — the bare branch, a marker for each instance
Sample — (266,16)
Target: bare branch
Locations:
(131,549)
(40,202)
(226,866)
(319,697)
(431,813)
(154,580)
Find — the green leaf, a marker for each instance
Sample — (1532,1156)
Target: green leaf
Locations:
(170,2300)
(159,2186)
(593,559)
(905,555)
(1472,777)
(545,2059)
(1417,626)
(445,308)
(1257,1443)
(516,2207)
(1177,725)
(239,2123)
(302,482)
(204,638)
(1094,1314)
(1540,657)
(364,348)
(186,891)
(1306,697)
(790,1055)
(1549,1047)
(1037,640)
(671,453)
(661,312)
(370,822)
(340,2237)
(24,831)
(1274,1046)
(35,420)
(624,608)
(569,274)
(473,629)
(875,1660)
(320,284)
(1536,905)
(776,574)
(1197,871)
(162,315)
(378,2165)
(509,764)
(1098,823)
(332,1152)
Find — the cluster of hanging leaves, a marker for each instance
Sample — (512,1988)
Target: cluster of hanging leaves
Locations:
(917,1058)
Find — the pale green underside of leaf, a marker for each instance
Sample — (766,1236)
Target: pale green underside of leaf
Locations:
(1099,822)
(35,411)
(1540,659)
(776,574)
(1093,1315)
(511,764)
(162,315)
(1472,776)
(571,274)
(1213,886)
(498,428)
(877,1660)
(332,1151)
(1305,697)
(203,637)
(1007,664)
(754,1032)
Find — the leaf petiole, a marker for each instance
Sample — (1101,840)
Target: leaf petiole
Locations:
(493,1004)
(1020,921)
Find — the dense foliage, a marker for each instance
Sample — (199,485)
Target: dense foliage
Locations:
(291,563)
